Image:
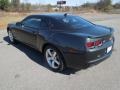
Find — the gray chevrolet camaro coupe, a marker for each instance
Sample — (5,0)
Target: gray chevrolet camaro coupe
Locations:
(65,40)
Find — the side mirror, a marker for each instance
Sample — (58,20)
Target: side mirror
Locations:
(18,23)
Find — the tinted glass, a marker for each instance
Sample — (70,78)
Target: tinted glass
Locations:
(43,24)
(74,21)
(35,23)
(54,24)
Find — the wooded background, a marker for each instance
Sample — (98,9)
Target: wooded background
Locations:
(17,6)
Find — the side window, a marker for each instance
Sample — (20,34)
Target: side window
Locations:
(54,24)
(32,22)
(43,24)
(35,23)
(51,23)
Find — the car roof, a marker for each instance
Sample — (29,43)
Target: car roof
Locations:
(52,15)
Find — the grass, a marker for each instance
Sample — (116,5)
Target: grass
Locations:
(4,20)
(9,17)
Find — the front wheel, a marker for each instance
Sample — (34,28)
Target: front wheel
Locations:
(54,59)
(11,37)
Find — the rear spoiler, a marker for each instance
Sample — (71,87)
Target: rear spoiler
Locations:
(112,30)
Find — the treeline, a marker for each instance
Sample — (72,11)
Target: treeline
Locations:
(14,5)
(17,6)
(117,5)
(102,5)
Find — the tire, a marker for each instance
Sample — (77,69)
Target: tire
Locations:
(11,37)
(54,59)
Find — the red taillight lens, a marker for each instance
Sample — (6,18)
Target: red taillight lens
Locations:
(93,44)
(98,43)
(90,44)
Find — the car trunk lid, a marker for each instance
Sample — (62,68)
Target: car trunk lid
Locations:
(95,35)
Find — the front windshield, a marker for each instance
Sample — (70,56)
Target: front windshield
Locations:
(74,21)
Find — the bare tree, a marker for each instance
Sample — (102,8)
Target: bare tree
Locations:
(104,5)
(15,4)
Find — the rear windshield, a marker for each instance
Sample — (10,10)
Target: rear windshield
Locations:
(74,21)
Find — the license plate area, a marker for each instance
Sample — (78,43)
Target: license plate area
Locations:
(109,49)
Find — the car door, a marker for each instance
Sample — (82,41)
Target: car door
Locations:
(30,29)
(44,32)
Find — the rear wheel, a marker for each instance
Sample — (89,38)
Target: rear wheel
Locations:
(54,59)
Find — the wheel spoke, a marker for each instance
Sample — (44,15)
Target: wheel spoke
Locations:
(49,52)
(54,54)
(53,64)
(56,62)
(49,58)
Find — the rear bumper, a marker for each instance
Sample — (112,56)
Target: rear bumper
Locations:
(97,61)
(79,61)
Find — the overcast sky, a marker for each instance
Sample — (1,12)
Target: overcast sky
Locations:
(69,2)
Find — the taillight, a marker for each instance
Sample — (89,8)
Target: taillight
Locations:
(98,43)
(93,43)
(90,44)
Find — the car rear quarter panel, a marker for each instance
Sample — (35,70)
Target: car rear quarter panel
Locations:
(68,42)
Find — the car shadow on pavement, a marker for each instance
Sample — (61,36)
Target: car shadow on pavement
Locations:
(36,56)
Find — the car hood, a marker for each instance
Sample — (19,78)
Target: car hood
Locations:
(91,31)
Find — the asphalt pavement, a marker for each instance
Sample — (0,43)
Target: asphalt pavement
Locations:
(23,68)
